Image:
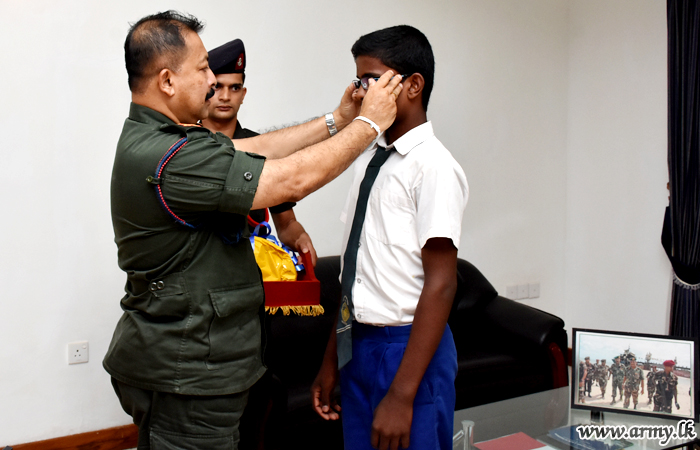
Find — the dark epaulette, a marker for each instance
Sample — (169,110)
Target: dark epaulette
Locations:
(192,131)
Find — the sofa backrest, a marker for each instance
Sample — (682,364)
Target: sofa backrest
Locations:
(473,289)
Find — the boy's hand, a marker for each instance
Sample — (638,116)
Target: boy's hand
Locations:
(322,397)
(392,422)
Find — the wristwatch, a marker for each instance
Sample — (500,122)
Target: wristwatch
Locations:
(330,123)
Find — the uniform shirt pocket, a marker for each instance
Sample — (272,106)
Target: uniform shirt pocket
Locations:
(163,299)
(390,217)
(234,333)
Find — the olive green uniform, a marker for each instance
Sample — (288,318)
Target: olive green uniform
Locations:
(259,214)
(191,322)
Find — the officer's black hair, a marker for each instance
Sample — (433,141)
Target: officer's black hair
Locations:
(157,38)
(402,48)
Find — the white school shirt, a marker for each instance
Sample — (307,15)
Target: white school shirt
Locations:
(419,194)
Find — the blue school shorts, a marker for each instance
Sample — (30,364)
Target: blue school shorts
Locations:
(365,380)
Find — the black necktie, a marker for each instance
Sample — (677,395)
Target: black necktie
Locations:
(344,326)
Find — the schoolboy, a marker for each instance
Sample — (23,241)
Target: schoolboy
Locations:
(399,275)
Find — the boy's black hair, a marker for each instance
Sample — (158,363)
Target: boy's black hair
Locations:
(157,39)
(404,49)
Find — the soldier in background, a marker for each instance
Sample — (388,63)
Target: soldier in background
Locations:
(602,376)
(590,373)
(581,380)
(666,384)
(634,377)
(627,356)
(651,385)
(617,373)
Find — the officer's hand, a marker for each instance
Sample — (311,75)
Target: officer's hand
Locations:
(379,103)
(678,406)
(349,108)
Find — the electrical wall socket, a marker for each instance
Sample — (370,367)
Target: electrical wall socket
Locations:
(534,289)
(78,352)
(523,291)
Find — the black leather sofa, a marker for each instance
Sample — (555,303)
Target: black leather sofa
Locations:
(505,349)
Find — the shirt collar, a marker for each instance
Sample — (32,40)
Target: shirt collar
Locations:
(144,114)
(413,138)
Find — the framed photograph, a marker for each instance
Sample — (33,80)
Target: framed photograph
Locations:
(634,373)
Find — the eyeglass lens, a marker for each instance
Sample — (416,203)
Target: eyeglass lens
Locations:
(364,81)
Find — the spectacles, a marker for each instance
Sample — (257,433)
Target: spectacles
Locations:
(364,81)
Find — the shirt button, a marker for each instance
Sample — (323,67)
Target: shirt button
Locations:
(359,281)
(153,286)
(160,285)
(359,316)
(248,176)
(359,244)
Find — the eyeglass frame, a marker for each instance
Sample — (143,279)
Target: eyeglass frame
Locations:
(364,81)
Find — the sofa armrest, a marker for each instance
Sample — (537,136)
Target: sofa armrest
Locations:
(515,322)
(524,322)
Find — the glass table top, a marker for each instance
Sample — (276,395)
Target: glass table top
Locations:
(537,415)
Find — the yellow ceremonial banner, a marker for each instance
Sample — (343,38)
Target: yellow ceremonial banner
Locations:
(275,263)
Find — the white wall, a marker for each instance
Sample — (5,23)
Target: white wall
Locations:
(617,274)
(556,111)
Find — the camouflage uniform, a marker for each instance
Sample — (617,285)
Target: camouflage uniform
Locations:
(589,378)
(617,373)
(601,374)
(651,384)
(666,389)
(581,370)
(633,378)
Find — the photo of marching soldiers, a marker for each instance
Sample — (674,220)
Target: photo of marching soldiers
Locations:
(611,374)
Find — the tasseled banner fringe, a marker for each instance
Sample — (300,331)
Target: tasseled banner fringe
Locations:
(308,310)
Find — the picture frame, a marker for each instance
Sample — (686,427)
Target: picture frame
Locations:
(650,352)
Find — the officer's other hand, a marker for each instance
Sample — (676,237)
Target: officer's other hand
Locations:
(678,406)
(349,108)
(379,103)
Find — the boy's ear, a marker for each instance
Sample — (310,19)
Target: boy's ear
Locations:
(413,85)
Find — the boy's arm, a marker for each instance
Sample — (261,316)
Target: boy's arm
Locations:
(393,416)
(326,380)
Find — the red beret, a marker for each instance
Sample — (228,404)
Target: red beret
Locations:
(669,363)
